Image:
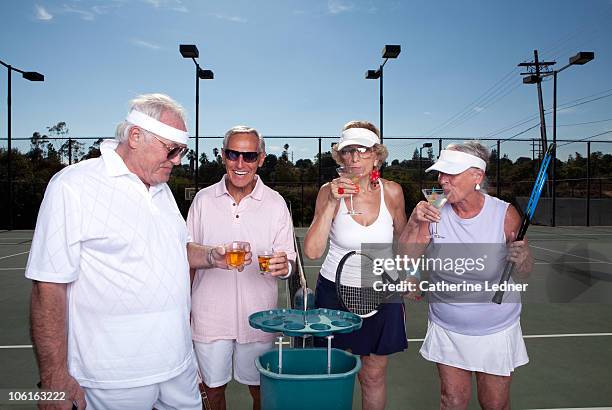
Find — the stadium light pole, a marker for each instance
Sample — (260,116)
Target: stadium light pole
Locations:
(30,76)
(425,145)
(388,51)
(580,58)
(191,51)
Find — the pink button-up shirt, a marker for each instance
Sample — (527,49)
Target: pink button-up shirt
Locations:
(222,300)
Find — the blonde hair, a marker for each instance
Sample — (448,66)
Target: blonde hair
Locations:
(379,149)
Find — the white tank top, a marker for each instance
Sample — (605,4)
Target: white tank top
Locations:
(485,228)
(347,235)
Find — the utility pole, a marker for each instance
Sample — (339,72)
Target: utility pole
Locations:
(535,71)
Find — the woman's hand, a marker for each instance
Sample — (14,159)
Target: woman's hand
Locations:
(342,187)
(518,251)
(424,212)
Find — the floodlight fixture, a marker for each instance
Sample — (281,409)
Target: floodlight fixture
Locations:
(33,76)
(581,58)
(372,75)
(189,51)
(206,74)
(391,51)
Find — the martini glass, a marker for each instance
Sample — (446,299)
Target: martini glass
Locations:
(352,173)
(435,197)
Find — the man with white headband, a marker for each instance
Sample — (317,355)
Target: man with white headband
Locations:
(110,265)
(480,337)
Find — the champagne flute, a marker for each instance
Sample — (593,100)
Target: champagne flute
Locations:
(352,173)
(435,197)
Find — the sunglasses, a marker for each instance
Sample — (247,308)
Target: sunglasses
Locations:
(364,152)
(173,151)
(249,156)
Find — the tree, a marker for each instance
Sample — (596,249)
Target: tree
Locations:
(430,154)
(37,146)
(415,154)
(303,163)
(72,149)
(94,150)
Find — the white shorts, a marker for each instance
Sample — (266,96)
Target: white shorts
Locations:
(180,392)
(498,353)
(215,361)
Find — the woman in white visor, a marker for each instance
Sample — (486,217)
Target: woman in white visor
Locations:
(472,335)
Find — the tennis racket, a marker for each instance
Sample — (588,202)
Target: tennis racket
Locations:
(534,198)
(364,300)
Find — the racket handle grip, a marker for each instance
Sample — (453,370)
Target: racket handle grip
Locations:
(499,295)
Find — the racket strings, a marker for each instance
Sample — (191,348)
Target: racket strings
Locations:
(360,300)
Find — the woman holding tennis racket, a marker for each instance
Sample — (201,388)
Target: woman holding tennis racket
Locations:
(462,338)
(351,211)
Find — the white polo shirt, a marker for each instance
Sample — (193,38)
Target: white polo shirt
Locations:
(122,250)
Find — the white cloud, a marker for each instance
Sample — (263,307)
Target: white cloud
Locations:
(233,19)
(42,14)
(478,109)
(85,15)
(105,9)
(176,5)
(427,113)
(145,44)
(339,6)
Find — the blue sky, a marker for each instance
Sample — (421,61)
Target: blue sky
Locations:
(297,67)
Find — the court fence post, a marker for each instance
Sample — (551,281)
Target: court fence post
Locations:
(320,160)
(588,191)
(497,171)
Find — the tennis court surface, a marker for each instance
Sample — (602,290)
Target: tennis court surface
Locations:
(568,336)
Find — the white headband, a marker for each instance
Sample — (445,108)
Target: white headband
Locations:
(358,136)
(455,162)
(157,127)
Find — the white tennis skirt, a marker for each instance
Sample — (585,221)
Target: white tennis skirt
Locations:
(498,353)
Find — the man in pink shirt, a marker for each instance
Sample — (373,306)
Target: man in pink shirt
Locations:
(237,208)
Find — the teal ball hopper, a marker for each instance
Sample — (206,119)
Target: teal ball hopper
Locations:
(306,378)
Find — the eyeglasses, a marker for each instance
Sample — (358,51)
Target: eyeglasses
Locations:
(364,152)
(248,156)
(173,151)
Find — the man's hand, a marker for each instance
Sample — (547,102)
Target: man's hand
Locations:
(63,382)
(218,258)
(279,264)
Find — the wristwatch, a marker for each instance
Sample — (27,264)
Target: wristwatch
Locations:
(211,261)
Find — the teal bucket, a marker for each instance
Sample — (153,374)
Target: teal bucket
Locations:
(304,383)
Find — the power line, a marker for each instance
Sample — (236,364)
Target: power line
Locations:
(584,139)
(564,106)
(582,123)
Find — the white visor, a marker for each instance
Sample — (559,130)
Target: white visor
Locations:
(358,136)
(455,162)
(157,127)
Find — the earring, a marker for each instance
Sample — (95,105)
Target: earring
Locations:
(477,187)
(374,176)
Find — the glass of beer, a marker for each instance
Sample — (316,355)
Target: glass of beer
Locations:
(263,257)
(235,253)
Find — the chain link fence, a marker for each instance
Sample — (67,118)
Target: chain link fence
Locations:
(296,166)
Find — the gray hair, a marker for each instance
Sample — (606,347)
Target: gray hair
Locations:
(243,129)
(478,150)
(152,105)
